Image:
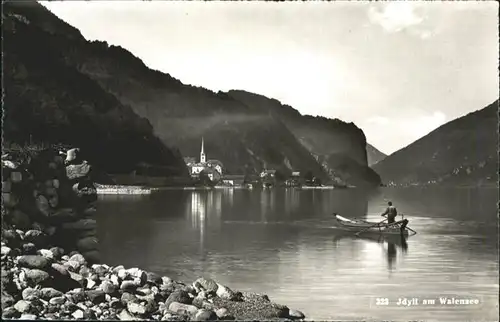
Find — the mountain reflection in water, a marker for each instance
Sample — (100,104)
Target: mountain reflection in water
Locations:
(281,242)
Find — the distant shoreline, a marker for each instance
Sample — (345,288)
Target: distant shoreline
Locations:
(145,190)
(469,186)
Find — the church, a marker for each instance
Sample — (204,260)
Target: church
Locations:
(212,167)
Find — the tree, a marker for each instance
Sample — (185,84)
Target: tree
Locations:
(279,176)
(204,179)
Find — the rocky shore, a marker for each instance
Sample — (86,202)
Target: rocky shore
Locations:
(50,262)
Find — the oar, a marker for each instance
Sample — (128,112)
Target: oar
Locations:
(357,234)
(406,227)
(411,230)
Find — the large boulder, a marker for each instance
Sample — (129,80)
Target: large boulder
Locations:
(76,171)
(179,296)
(183,309)
(205,284)
(34,261)
(37,276)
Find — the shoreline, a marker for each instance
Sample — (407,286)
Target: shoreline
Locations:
(48,283)
(104,190)
(50,260)
(145,190)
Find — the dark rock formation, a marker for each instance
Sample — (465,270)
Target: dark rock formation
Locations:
(461,152)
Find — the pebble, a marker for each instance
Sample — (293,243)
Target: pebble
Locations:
(36,276)
(123,274)
(60,300)
(28,317)
(6,250)
(79,259)
(128,297)
(115,304)
(136,308)
(296,314)
(115,280)
(107,287)
(49,292)
(222,313)
(128,286)
(96,296)
(90,284)
(74,265)
(184,309)
(205,315)
(46,253)
(57,252)
(61,269)
(124,315)
(33,261)
(78,314)
(99,270)
(22,306)
(29,249)
(29,294)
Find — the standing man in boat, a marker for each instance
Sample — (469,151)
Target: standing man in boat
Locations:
(391,213)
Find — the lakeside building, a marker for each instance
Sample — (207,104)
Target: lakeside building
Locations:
(233,180)
(294,180)
(213,168)
(268,178)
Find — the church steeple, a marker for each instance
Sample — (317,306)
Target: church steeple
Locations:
(202,153)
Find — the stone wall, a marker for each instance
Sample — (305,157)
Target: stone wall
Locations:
(50,200)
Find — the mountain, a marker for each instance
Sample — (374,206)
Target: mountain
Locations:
(338,146)
(51,101)
(244,137)
(374,155)
(461,152)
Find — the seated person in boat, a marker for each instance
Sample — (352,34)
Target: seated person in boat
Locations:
(390,212)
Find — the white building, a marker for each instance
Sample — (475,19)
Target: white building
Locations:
(195,168)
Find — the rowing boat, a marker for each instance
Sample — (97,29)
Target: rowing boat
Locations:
(363,226)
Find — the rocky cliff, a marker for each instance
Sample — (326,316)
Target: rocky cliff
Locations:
(338,146)
(461,152)
(241,136)
(47,99)
(374,155)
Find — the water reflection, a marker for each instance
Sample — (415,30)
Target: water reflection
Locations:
(280,242)
(292,200)
(389,245)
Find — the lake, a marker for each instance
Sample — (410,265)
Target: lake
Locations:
(281,243)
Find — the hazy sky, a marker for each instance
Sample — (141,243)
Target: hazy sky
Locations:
(397,70)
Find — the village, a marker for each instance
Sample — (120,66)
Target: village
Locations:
(211,173)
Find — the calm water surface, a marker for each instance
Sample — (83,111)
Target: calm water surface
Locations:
(281,243)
